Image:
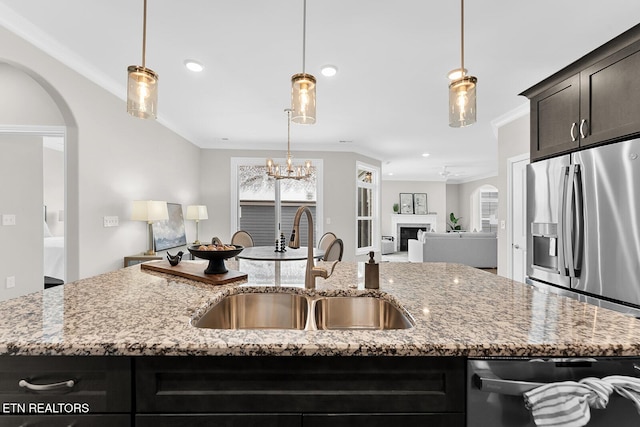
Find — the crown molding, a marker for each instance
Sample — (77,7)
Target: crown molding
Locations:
(508,117)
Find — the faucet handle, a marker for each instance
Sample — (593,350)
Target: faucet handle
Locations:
(324,272)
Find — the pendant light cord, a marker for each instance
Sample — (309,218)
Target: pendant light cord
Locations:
(144,33)
(461,37)
(288,133)
(304,33)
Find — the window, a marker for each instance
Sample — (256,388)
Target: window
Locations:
(484,209)
(259,200)
(489,210)
(367,196)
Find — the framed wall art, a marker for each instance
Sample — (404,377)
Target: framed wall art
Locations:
(420,203)
(170,233)
(406,203)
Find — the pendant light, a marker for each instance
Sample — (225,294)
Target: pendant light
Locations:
(289,171)
(462,89)
(303,86)
(142,84)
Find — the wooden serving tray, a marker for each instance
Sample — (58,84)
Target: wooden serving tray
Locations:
(194,271)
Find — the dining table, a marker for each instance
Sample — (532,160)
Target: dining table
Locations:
(255,259)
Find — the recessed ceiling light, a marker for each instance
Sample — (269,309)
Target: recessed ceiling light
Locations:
(329,70)
(390,173)
(193,65)
(425,154)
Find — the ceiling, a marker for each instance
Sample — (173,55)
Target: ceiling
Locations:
(389,98)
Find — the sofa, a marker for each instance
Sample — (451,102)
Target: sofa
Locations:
(473,249)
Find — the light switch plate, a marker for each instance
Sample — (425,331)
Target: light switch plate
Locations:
(8,219)
(11,282)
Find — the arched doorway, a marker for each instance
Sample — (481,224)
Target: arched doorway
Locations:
(33,112)
(484,209)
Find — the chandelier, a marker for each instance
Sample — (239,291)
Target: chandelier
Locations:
(288,171)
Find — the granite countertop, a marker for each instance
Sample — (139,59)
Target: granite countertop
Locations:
(458,311)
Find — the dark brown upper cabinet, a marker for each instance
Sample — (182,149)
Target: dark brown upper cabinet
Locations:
(592,101)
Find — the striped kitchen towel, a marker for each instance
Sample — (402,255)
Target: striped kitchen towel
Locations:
(567,403)
(626,386)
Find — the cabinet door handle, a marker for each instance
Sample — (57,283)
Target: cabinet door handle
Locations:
(583,134)
(516,246)
(571,132)
(46,387)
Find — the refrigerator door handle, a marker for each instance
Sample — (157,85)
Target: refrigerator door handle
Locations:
(568,216)
(578,218)
(562,263)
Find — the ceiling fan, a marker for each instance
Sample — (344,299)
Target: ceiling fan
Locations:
(444,173)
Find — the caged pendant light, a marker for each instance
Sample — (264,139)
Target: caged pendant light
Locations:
(303,86)
(142,84)
(462,88)
(289,171)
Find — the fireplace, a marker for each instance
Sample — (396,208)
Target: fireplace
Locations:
(407,233)
(420,222)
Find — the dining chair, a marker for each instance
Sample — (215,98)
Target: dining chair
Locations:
(334,251)
(242,238)
(325,240)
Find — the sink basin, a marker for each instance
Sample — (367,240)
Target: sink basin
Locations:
(358,313)
(257,311)
(282,310)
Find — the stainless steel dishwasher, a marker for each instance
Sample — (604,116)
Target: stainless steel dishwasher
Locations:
(495,388)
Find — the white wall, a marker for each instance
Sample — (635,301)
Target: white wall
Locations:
(465,191)
(513,140)
(339,191)
(111,159)
(21,251)
(453,203)
(436,200)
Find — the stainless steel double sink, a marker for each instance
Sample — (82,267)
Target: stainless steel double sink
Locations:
(282,310)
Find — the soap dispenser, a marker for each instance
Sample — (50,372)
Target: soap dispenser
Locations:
(371,273)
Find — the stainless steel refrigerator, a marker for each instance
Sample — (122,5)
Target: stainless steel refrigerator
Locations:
(583,210)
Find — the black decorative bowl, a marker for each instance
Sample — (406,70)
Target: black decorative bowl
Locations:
(216,258)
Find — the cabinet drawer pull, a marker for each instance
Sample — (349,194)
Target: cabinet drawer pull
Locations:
(573,128)
(46,387)
(583,134)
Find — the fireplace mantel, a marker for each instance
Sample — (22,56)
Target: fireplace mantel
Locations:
(406,220)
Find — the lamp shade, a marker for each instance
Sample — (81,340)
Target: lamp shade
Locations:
(197,212)
(149,210)
(462,102)
(303,99)
(142,92)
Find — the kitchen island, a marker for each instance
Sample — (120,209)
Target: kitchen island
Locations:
(149,366)
(457,310)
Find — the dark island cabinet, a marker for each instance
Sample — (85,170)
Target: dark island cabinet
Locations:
(62,391)
(300,391)
(593,101)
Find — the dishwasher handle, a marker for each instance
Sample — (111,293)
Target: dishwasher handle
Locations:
(485,380)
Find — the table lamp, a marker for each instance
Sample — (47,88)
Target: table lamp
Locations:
(196,213)
(150,211)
